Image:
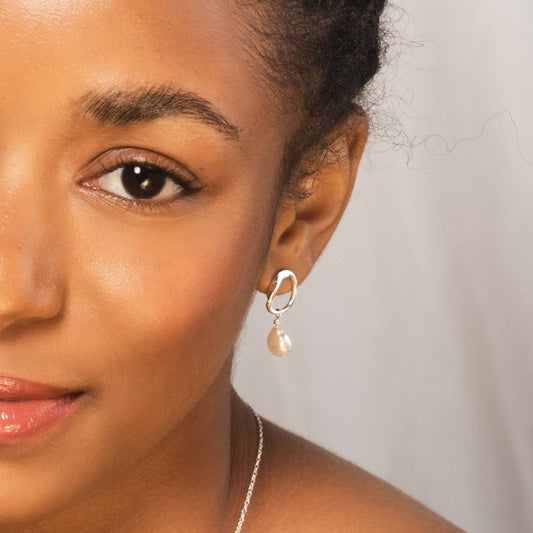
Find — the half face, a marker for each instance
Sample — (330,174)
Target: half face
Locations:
(138,168)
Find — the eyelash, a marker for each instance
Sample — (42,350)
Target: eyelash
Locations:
(173,171)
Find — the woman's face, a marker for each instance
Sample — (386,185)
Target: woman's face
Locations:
(114,280)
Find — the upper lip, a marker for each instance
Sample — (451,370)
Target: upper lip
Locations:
(12,388)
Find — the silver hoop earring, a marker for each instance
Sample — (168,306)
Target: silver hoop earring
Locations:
(278,341)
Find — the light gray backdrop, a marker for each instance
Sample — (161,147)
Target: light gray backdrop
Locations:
(413,337)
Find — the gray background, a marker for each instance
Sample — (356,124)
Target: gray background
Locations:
(413,337)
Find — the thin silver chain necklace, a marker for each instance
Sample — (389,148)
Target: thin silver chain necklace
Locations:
(251,486)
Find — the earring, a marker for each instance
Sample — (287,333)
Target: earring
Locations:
(278,341)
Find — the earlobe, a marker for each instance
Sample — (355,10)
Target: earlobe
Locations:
(304,227)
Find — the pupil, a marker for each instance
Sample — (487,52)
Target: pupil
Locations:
(141,182)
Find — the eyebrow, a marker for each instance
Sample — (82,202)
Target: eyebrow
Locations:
(145,104)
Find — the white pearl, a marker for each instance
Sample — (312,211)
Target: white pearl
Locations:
(279,342)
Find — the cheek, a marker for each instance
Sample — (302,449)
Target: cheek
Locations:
(166,300)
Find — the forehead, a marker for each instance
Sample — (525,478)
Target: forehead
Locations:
(54,51)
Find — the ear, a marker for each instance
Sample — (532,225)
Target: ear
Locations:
(304,227)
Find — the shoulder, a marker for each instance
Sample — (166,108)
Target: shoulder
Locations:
(304,488)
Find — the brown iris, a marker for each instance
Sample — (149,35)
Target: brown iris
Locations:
(143,182)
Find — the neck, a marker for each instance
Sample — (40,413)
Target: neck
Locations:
(196,480)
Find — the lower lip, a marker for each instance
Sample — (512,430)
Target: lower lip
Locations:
(22,419)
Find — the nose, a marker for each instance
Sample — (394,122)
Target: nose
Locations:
(24,298)
(30,289)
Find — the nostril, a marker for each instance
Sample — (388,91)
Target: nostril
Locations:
(23,304)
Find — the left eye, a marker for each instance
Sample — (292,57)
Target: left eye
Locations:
(140,182)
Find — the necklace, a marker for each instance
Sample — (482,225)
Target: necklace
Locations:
(250,491)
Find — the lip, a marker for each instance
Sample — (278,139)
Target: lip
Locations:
(22,389)
(29,408)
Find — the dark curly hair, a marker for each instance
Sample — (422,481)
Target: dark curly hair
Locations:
(320,54)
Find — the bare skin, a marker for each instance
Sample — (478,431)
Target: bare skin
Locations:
(136,303)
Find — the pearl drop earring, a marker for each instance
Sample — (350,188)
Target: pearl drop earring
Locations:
(278,341)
